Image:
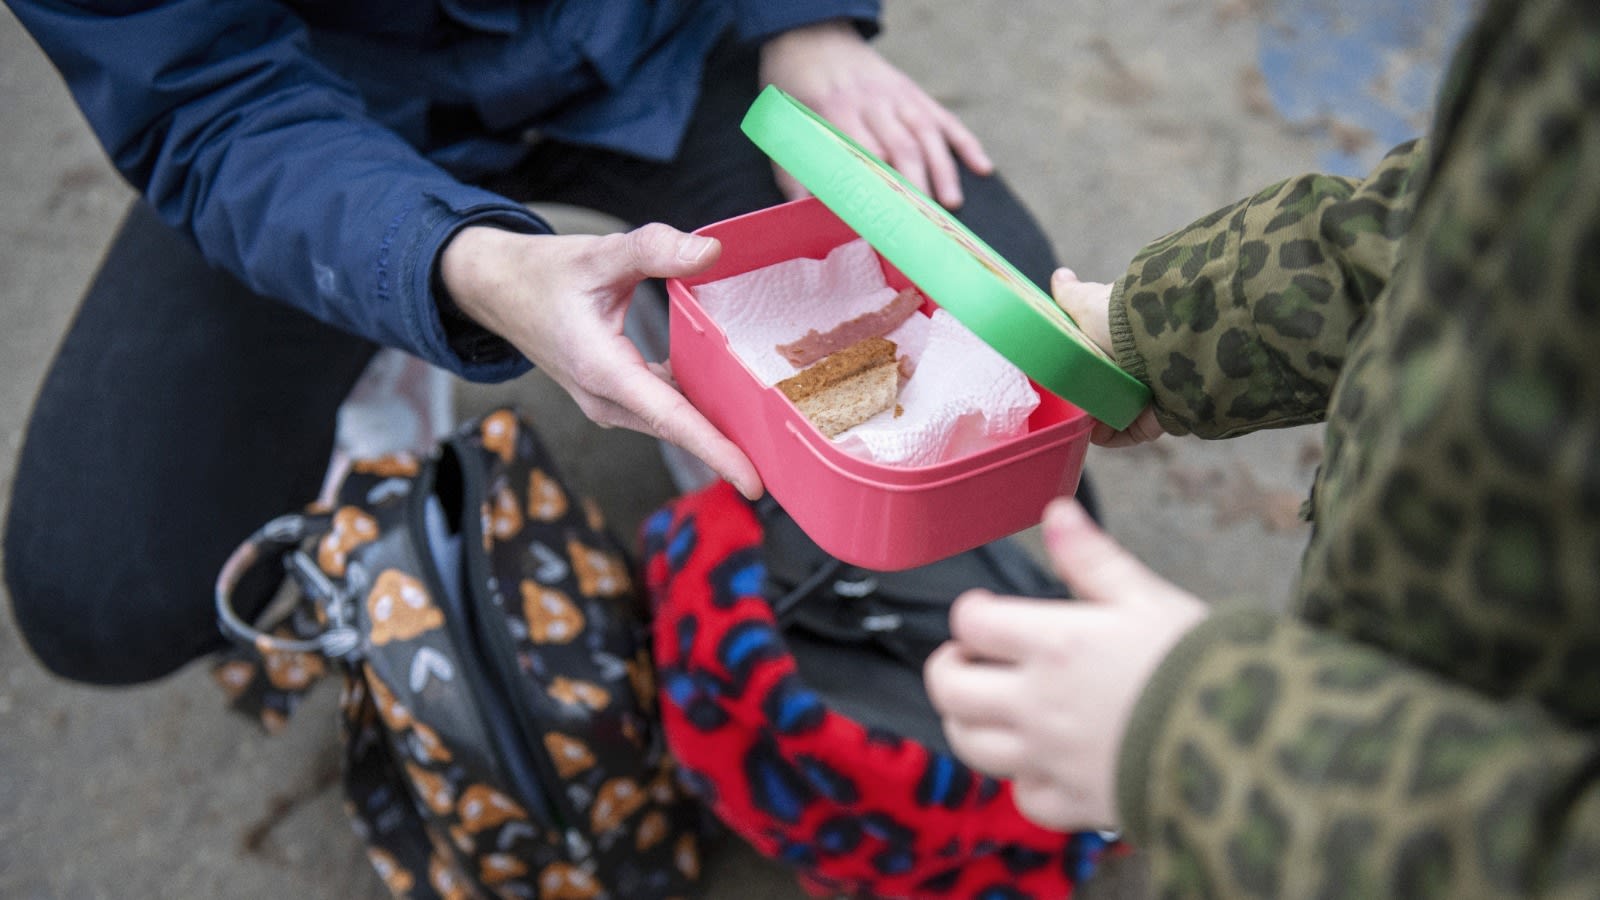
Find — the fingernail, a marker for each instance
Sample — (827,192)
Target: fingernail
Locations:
(748,491)
(693,248)
(1064,274)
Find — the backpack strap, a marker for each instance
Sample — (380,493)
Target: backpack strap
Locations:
(904,613)
(276,657)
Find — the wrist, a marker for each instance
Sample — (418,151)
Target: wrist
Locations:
(802,42)
(827,29)
(466,272)
(463,292)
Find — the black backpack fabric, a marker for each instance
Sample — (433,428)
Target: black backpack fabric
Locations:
(498,711)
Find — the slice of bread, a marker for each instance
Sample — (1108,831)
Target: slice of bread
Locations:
(814,345)
(847,387)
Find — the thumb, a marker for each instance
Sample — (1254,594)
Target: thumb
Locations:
(1094,566)
(661,251)
(1087,302)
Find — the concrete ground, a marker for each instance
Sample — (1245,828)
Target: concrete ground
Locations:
(1116,121)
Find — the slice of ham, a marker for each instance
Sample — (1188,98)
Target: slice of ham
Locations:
(815,345)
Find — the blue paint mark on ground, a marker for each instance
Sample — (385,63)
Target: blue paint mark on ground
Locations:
(1361,73)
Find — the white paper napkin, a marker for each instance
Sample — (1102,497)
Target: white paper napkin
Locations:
(963,396)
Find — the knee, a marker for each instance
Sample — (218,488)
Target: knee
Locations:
(84,623)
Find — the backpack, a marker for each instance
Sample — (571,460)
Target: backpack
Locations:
(498,720)
(792,698)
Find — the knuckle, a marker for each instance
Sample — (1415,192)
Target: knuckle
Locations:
(934,682)
(1028,798)
(606,415)
(646,242)
(592,407)
(963,610)
(1039,802)
(903,146)
(589,375)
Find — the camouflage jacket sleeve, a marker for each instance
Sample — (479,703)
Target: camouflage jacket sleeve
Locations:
(1368,778)
(1239,321)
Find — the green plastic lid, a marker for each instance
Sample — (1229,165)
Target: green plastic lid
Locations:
(945,259)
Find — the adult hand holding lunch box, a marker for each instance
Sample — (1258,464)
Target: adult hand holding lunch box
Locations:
(562,300)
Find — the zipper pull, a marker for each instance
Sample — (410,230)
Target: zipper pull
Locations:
(881,622)
(855,589)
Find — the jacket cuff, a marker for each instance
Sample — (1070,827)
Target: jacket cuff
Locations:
(439,332)
(1155,707)
(1122,342)
(1125,348)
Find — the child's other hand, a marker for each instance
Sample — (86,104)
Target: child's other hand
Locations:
(1041,691)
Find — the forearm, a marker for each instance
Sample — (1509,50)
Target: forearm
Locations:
(355,244)
(1281,760)
(1241,320)
(241,140)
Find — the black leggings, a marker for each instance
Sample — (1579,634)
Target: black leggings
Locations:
(183,411)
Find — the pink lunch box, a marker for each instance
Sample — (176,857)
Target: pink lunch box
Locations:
(866,514)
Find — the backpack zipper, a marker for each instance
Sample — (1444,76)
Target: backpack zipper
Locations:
(504,652)
(507,748)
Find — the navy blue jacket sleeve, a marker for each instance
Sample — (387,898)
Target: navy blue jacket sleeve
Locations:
(758,20)
(217,112)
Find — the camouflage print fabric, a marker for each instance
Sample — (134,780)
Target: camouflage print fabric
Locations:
(1427,725)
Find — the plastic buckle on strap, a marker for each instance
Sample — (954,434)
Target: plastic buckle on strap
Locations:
(342,639)
(879,623)
(856,588)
